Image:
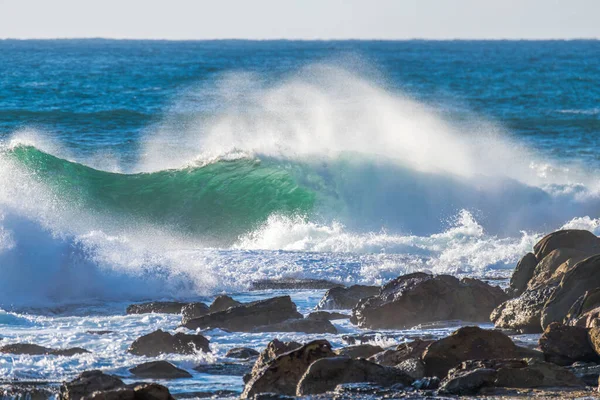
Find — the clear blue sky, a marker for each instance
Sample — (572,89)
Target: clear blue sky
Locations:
(300,19)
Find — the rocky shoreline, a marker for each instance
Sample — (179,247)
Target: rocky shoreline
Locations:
(554,292)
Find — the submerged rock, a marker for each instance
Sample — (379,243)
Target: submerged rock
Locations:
(346,298)
(193,310)
(159,370)
(247,317)
(34,350)
(292,283)
(282,374)
(418,298)
(222,303)
(160,342)
(299,325)
(242,352)
(162,307)
(359,351)
(325,374)
(564,345)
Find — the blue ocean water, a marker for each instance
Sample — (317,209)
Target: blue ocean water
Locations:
(136,170)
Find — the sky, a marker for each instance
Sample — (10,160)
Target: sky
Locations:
(300,19)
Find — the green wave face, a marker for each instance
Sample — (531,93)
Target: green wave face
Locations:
(218,201)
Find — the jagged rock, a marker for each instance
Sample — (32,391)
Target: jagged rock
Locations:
(522,275)
(159,370)
(242,352)
(163,307)
(584,276)
(523,314)
(281,375)
(299,325)
(160,342)
(585,312)
(247,317)
(569,238)
(329,316)
(222,303)
(293,283)
(342,298)
(87,383)
(359,351)
(550,270)
(413,367)
(193,310)
(468,343)
(419,298)
(325,374)
(34,350)
(564,345)
(402,352)
(274,349)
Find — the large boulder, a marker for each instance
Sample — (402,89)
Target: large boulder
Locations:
(346,298)
(359,351)
(419,298)
(35,350)
(468,343)
(471,376)
(594,339)
(299,325)
(569,238)
(524,313)
(160,342)
(159,370)
(522,274)
(325,374)
(161,307)
(402,352)
(193,310)
(564,345)
(247,317)
(222,303)
(585,312)
(584,276)
(274,349)
(281,375)
(550,270)
(87,383)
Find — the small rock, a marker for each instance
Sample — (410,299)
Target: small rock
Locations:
(564,345)
(242,352)
(99,332)
(274,349)
(359,351)
(402,352)
(34,349)
(159,307)
(342,298)
(159,370)
(160,342)
(222,303)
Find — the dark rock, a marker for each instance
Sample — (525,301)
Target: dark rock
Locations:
(151,391)
(299,325)
(227,369)
(359,351)
(585,311)
(564,345)
(468,343)
(242,352)
(594,339)
(99,332)
(523,314)
(161,307)
(550,270)
(293,283)
(325,374)
(419,298)
(34,350)
(368,337)
(522,275)
(159,370)
(342,298)
(402,352)
(160,342)
(222,303)
(89,382)
(413,367)
(281,375)
(329,316)
(247,317)
(193,310)
(569,238)
(584,276)
(274,349)
(589,373)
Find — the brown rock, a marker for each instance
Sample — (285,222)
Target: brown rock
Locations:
(569,238)
(550,270)
(359,351)
(222,303)
(524,313)
(594,339)
(299,325)
(87,383)
(342,298)
(151,391)
(193,310)
(402,352)
(274,349)
(585,311)
(564,345)
(160,342)
(522,274)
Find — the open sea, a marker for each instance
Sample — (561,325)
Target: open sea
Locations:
(153,170)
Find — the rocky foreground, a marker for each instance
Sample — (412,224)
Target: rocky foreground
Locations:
(554,291)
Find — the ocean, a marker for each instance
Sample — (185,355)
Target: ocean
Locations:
(154,170)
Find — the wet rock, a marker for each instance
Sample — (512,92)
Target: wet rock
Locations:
(342,298)
(325,374)
(193,310)
(89,382)
(247,317)
(34,350)
(585,311)
(564,345)
(160,307)
(365,338)
(413,367)
(293,283)
(99,332)
(468,343)
(274,349)
(589,373)
(242,352)
(471,376)
(582,277)
(522,274)
(402,352)
(523,314)
(228,369)
(594,339)
(329,316)
(159,370)
(160,342)
(419,298)
(282,374)
(299,325)
(359,351)
(222,303)
(151,391)
(569,238)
